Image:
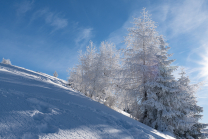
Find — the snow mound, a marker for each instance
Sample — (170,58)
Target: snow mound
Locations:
(36,105)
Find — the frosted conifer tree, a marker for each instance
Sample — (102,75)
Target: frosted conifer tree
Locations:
(191,111)
(55,74)
(163,99)
(89,66)
(6,61)
(75,79)
(94,76)
(171,104)
(142,47)
(83,77)
(108,66)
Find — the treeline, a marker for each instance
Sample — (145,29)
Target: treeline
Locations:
(139,79)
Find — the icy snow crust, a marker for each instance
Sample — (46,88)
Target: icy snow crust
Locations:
(35,105)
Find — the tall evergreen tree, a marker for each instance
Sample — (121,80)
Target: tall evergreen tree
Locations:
(142,47)
(163,98)
(171,104)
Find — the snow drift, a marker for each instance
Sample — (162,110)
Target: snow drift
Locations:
(36,105)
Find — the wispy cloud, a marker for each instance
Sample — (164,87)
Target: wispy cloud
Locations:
(24,7)
(190,19)
(179,17)
(53,19)
(187,16)
(117,36)
(83,37)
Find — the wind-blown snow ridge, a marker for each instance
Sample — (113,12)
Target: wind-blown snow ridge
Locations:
(36,105)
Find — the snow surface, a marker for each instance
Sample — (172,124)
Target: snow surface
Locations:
(36,105)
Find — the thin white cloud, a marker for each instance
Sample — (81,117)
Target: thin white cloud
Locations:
(201,64)
(187,16)
(24,7)
(53,19)
(84,37)
(117,36)
(59,22)
(179,17)
(191,18)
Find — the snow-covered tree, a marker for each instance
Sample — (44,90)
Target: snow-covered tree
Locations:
(163,97)
(83,76)
(95,74)
(55,74)
(6,61)
(190,110)
(171,104)
(109,64)
(142,46)
(75,79)
(90,71)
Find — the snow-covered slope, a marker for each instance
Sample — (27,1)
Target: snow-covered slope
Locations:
(36,105)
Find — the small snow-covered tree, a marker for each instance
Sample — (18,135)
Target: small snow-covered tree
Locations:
(190,110)
(83,76)
(108,62)
(55,74)
(89,71)
(6,61)
(75,79)
(95,74)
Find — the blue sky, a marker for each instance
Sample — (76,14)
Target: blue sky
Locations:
(46,35)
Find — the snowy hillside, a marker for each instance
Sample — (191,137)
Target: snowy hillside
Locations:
(36,105)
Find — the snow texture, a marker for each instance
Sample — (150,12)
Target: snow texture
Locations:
(35,105)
